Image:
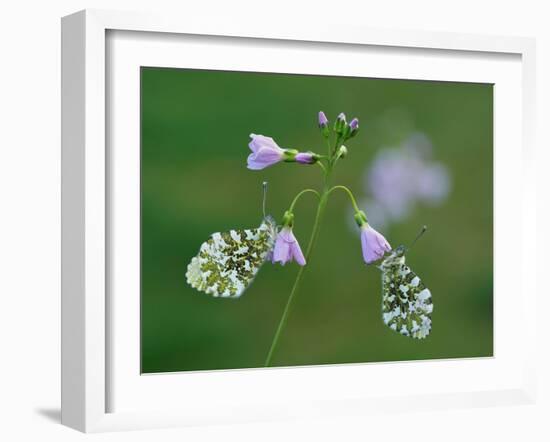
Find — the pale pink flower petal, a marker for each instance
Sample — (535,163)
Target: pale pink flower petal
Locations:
(374,244)
(265,152)
(287,248)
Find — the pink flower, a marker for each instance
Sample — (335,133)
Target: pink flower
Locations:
(287,248)
(265,152)
(374,244)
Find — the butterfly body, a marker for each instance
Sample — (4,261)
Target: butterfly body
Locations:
(406,302)
(227,262)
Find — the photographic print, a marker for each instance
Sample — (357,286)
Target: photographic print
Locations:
(294,220)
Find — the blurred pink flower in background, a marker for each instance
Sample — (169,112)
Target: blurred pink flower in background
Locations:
(401,177)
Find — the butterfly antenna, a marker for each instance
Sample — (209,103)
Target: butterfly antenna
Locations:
(264,196)
(422,231)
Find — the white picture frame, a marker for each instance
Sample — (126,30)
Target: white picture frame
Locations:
(86,203)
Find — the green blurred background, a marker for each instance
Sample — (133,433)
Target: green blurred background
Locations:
(194,145)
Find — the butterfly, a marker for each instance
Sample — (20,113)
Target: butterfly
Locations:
(406,302)
(227,262)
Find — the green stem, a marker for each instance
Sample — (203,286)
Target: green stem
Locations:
(297,197)
(350,194)
(315,231)
(329,149)
(313,237)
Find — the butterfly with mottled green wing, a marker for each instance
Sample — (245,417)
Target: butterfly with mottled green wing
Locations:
(227,262)
(406,302)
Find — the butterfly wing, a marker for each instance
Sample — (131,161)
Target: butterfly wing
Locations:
(406,302)
(228,262)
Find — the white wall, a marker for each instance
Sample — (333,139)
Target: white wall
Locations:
(30,221)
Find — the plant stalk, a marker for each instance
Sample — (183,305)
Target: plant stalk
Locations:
(313,237)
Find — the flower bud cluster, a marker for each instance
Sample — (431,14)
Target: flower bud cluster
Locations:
(346,130)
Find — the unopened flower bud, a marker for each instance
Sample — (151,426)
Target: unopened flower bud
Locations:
(306,158)
(295,156)
(340,124)
(353,127)
(323,124)
(342,152)
(323,120)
